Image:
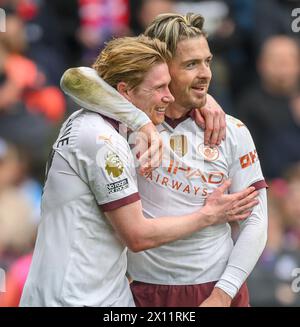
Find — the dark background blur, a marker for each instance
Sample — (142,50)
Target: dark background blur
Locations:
(256,74)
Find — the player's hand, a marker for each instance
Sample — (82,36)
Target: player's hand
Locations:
(218,298)
(149,146)
(211,118)
(221,208)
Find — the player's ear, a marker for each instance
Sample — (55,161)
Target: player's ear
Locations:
(122,88)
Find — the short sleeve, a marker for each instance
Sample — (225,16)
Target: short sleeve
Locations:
(245,169)
(106,164)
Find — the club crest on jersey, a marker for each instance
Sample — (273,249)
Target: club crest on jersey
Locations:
(179,144)
(210,153)
(113,164)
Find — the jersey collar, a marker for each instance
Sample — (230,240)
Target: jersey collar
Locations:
(174,122)
(115,124)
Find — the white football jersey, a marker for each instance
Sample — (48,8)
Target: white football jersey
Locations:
(78,258)
(180,186)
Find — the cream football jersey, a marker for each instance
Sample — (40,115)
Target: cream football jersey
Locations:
(78,258)
(189,173)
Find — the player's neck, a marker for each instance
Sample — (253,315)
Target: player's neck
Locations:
(175,111)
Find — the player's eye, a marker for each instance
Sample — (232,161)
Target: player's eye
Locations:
(160,87)
(208,61)
(191,65)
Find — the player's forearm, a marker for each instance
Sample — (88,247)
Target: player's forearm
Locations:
(156,232)
(87,89)
(247,249)
(140,233)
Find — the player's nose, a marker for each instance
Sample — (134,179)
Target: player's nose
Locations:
(168,97)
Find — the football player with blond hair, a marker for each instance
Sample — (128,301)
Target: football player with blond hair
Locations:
(205,268)
(91,207)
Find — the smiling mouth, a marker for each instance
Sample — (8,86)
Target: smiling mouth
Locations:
(201,90)
(161,110)
(200,87)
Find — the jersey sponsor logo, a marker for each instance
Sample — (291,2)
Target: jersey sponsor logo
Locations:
(213,177)
(179,144)
(176,185)
(117,186)
(248,159)
(113,165)
(209,153)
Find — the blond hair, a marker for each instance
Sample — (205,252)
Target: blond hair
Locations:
(127,59)
(172,28)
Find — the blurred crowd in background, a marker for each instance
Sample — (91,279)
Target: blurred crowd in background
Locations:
(256,77)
